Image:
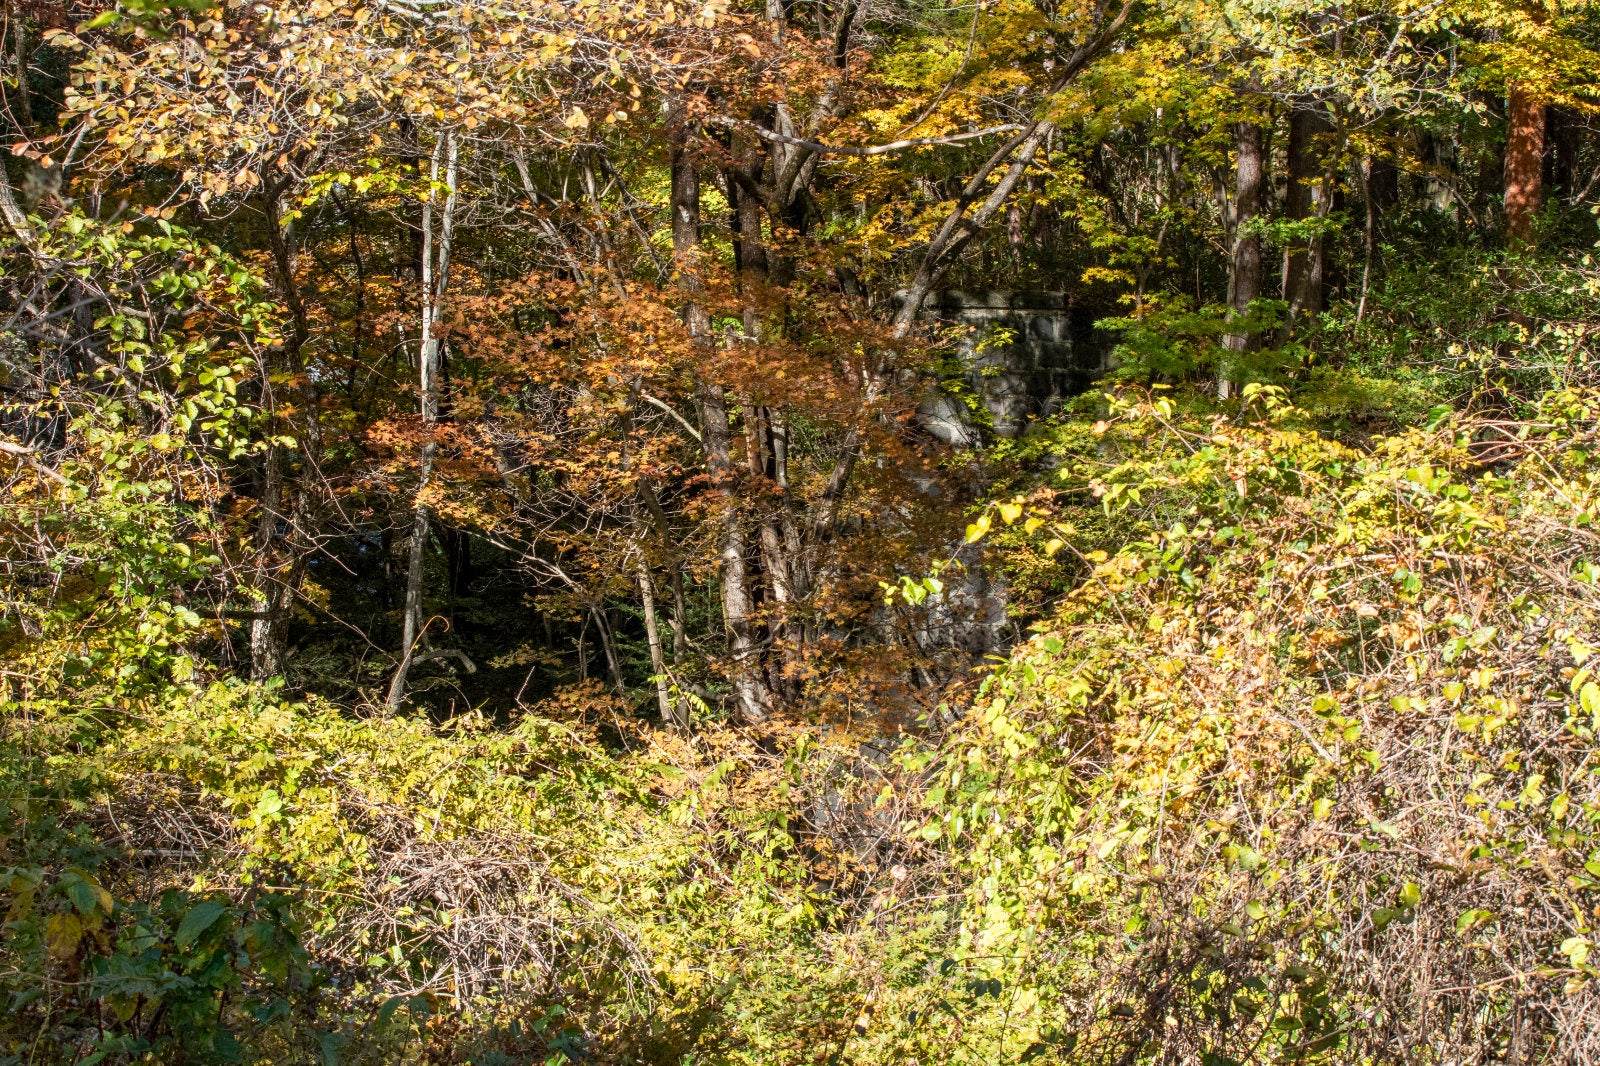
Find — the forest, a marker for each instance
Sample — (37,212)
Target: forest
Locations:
(776,532)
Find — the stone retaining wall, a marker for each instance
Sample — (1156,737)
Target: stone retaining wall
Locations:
(1023,355)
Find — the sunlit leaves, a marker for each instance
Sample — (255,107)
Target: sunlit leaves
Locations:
(1288,675)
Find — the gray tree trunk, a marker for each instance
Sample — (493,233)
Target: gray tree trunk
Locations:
(1244,267)
(282,556)
(752,702)
(1308,198)
(671,712)
(435,279)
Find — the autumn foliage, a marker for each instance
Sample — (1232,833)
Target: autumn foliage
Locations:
(566,530)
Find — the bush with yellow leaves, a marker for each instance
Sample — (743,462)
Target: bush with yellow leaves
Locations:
(1308,772)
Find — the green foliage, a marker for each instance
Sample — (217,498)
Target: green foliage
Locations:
(188,977)
(1433,332)
(119,531)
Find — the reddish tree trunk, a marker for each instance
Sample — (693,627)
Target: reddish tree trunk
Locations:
(1524,164)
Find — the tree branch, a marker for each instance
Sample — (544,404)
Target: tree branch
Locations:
(26,454)
(871,150)
(663,405)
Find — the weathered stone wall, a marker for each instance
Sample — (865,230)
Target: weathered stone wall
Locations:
(1022,353)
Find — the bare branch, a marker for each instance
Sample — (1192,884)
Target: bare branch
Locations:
(871,150)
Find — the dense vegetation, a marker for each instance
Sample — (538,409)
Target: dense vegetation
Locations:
(506,562)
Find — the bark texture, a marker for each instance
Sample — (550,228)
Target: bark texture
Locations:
(435,279)
(1307,200)
(1524,164)
(1244,266)
(752,701)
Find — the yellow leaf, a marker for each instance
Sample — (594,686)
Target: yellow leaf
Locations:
(62,933)
(1589,697)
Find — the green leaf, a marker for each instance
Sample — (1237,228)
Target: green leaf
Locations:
(1248,858)
(198,919)
(386,1012)
(85,893)
(267,806)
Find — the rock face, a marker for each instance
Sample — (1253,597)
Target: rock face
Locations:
(1022,355)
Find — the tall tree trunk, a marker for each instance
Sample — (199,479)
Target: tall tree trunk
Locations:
(1524,164)
(22,112)
(1369,202)
(281,556)
(435,278)
(778,562)
(671,712)
(764,270)
(789,524)
(763,462)
(1244,266)
(757,265)
(281,563)
(750,252)
(1307,200)
(679,619)
(752,701)
(267,643)
(411,620)
(608,645)
(750,692)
